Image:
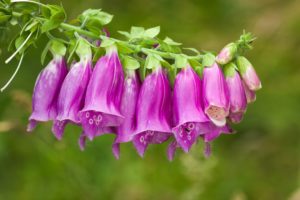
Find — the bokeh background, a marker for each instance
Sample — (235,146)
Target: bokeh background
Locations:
(261,161)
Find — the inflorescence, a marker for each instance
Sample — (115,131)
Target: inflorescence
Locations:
(143,89)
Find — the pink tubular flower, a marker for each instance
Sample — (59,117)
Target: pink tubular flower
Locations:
(189,117)
(103,96)
(215,94)
(248,74)
(126,130)
(226,54)
(72,93)
(46,90)
(153,111)
(237,97)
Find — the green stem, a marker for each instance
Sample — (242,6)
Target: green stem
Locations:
(78,29)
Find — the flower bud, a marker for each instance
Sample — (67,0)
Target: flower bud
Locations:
(248,74)
(215,95)
(46,90)
(227,54)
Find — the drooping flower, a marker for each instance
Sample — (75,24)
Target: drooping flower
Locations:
(46,90)
(72,93)
(126,130)
(237,97)
(227,54)
(153,111)
(189,117)
(215,95)
(103,96)
(248,74)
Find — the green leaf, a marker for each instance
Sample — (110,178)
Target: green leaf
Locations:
(96,15)
(94,20)
(193,50)
(126,34)
(83,49)
(106,42)
(180,61)
(171,42)
(32,26)
(152,61)
(208,59)
(58,48)
(130,63)
(44,52)
(124,48)
(137,32)
(57,16)
(152,32)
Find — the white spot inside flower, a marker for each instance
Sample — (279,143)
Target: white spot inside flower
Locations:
(189,137)
(87,114)
(99,117)
(91,121)
(191,126)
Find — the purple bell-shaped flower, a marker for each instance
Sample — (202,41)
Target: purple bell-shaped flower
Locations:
(153,111)
(46,90)
(72,93)
(189,117)
(215,94)
(126,130)
(103,96)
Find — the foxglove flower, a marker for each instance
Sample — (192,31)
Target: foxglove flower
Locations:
(72,93)
(153,111)
(46,90)
(248,74)
(189,117)
(103,96)
(226,54)
(250,95)
(215,95)
(126,130)
(237,97)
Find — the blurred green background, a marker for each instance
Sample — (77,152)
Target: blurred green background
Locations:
(261,161)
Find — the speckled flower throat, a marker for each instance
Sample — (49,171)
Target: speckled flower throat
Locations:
(142,89)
